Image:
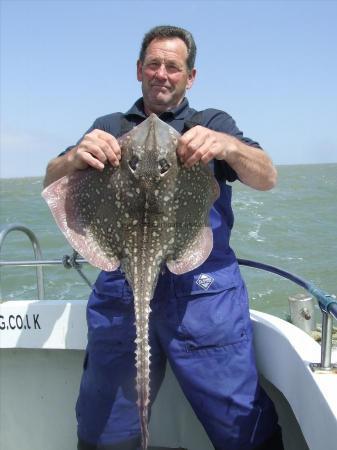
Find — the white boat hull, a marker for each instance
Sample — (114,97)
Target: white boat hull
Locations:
(42,348)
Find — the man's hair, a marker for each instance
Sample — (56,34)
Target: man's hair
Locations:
(169,32)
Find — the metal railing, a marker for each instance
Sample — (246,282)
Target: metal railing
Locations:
(68,262)
(36,248)
(326,302)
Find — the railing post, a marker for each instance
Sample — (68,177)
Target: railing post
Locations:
(326,343)
(325,365)
(36,249)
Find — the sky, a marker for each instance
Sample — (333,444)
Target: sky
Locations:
(272,65)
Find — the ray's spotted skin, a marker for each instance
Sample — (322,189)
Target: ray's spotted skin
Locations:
(147,212)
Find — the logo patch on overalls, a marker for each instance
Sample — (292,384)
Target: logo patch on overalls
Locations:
(204,281)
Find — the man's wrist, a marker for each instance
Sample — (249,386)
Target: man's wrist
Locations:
(72,161)
(230,147)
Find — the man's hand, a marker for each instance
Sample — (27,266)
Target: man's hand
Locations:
(252,165)
(95,149)
(202,144)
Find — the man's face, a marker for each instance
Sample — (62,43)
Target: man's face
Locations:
(164,74)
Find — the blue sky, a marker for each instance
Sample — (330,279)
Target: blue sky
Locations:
(272,65)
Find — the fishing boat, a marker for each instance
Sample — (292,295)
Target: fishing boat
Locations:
(42,346)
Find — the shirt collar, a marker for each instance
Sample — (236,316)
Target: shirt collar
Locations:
(179,112)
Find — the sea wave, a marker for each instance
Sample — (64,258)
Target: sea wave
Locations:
(292,226)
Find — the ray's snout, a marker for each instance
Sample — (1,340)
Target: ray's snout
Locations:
(152,156)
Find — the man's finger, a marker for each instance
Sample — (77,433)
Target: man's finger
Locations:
(196,156)
(184,140)
(193,146)
(208,156)
(93,149)
(108,138)
(111,150)
(92,161)
(106,142)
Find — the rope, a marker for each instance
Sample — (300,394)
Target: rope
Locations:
(326,301)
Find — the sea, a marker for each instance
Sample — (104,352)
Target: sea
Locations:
(293,227)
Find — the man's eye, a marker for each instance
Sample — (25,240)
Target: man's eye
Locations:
(172,67)
(153,65)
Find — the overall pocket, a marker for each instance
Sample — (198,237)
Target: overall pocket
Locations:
(214,320)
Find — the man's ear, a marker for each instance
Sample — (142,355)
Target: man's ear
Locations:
(191,77)
(139,70)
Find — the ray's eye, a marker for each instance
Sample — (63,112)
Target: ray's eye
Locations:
(164,165)
(133,162)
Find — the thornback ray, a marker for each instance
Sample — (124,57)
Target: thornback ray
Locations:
(147,212)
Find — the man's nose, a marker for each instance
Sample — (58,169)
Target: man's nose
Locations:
(161,72)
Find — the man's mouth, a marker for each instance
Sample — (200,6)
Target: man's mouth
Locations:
(159,86)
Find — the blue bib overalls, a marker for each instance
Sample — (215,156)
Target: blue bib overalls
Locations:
(200,323)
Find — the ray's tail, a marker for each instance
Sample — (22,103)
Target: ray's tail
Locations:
(144,279)
(142,312)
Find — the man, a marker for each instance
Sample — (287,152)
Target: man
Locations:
(199,320)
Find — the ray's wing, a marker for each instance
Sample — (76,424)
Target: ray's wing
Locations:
(85,207)
(196,191)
